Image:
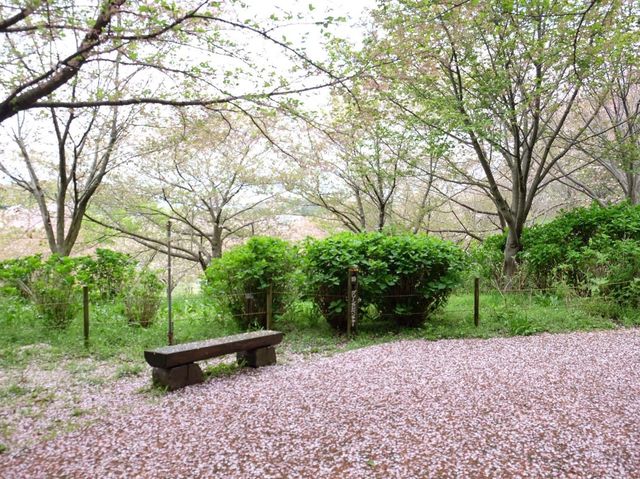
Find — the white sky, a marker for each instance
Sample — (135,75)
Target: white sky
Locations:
(353,10)
(305,36)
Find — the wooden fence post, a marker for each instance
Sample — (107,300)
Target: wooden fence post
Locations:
(476,302)
(85,314)
(270,306)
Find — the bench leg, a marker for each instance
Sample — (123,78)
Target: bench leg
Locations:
(178,377)
(258,357)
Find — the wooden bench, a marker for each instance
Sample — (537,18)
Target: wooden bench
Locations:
(175,366)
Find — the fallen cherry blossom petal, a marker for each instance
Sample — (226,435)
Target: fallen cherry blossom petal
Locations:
(542,406)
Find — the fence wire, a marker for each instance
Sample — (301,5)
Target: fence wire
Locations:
(491,300)
(587,292)
(559,288)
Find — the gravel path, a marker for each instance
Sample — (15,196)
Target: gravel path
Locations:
(543,406)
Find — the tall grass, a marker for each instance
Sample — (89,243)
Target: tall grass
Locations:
(111,334)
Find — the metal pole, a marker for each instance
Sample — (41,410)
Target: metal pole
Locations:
(85,314)
(269,306)
(476,301)
(169,286)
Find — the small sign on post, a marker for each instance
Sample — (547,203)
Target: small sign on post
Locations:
(352,300)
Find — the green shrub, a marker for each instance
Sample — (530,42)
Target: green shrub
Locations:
(15,275)
(488,256)
(52,284)
(142,298)
(405,276)
(303,314)
(240,279)
(595,249)
(52,289)
(555,249)
(109,274)
(611,269)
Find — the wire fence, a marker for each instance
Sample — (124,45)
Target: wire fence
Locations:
(260,307)
(558,287)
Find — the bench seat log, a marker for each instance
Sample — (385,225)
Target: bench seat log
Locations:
(187,353)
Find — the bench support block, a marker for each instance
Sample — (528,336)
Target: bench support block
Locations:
(178,377)
(258,357)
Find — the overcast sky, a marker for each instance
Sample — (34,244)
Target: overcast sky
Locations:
(273,56)
(351,29)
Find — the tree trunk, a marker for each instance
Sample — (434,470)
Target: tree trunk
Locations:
(361,215)
(633,186)
(216,241)
(382,214)
(511,249)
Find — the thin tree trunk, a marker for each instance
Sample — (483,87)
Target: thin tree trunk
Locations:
(382,213)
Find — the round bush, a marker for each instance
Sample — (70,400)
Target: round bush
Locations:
(52,290)
(142,299)
(405,277)
(239,280)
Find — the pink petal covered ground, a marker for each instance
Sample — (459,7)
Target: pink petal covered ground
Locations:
(543,406)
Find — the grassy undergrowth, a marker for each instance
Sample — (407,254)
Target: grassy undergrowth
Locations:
(500,316)
(24,336)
